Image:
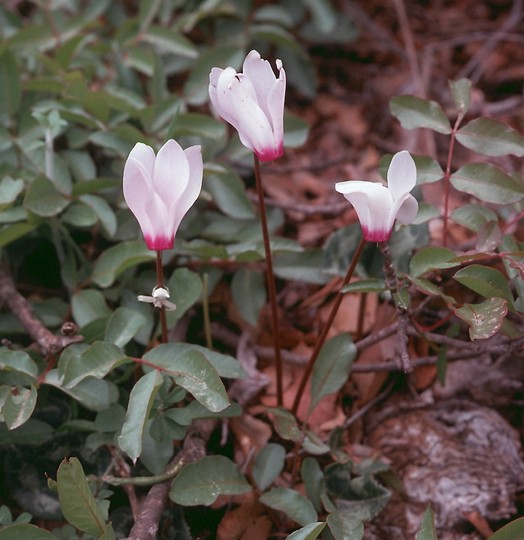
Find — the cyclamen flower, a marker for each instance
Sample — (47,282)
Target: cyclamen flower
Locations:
(378,206)
(160,189)
(253,103)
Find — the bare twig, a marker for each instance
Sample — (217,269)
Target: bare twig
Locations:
(48,343)
(146,526)
(476,64)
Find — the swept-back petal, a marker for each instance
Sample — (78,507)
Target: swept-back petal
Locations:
(180,207)
(408,210)
(372,203)
(171,172)
(402,174)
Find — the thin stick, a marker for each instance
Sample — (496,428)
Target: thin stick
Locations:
(392,284)
(205,311)
(270,278)
(160,283)
(327,326)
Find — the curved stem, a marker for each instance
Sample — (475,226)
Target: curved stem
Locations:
(270,278)
(160,283)
(327,326)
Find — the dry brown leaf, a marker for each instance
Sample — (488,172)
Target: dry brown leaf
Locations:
(251,433)
(236,523)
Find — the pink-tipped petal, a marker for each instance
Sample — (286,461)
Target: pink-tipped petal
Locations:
(372,203)
(402,174)
(161,233)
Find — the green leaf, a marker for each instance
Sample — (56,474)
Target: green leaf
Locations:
(103,212)
(427,527)
(19,405)
(43,199)
(429,259)
(193,372)
(486,281)
(428,170)
(414,112)
(229,192)
(123,325)
(362,496)
(14,232)
(332,367)
(309,532)
(248,288)
(185,288)
(168,40)
(76,500)
(427,287)
(89,305)
(226,366)
(147,11)
(292,503)
(491,138)
(140,403)
(345,526)
(473,216)
(25,531)
(365,285)
(200,125)
(9,190)
(10,87)
(488,183)
(118,258)
(296,130)
(94,394)
(461,93)
(19,362)
(484,319)
(286,425)
(313,479)
(202,482)
(511,531)
(269,463)
(77,363)
(306,266)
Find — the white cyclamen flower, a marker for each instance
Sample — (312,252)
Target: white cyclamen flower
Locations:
(253,103)
(378,206)
(160,189)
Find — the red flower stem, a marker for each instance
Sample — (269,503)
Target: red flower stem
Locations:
(322,338)
(160,283)
(447,175)
(270,278)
